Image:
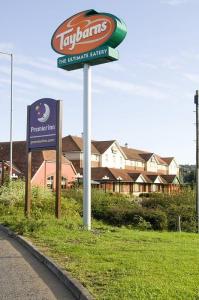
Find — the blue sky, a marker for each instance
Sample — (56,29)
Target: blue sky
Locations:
(144,99)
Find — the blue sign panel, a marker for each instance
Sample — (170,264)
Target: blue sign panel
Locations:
(42,124)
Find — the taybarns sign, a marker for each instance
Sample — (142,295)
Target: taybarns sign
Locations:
(81,34)
(42,124)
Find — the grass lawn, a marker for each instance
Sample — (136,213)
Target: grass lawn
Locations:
(117,263)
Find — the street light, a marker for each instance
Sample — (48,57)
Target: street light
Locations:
(119,180)
(11,73)
(105,178)
(196,101)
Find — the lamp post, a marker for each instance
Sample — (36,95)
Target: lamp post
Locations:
(11,90)
(197,160)
(119,180)
(105,178)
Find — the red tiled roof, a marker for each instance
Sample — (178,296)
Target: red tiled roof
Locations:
(126,175)
(146,156)
(70,144)
(134,176)
(168,160)
(50,155)
(102,146)
(133,154)
(120,173)
(160,160)
(75,143)
(140,155)
(19,156)
(98,173)
(169,178)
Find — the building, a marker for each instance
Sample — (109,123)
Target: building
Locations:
(43,165)
(114,168)
(123,169)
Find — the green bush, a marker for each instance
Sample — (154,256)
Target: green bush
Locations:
(156,218)
(174,205)
(25,225)
(119,210)
(12,193)
(157,212)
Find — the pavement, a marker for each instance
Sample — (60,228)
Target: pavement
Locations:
(23,277)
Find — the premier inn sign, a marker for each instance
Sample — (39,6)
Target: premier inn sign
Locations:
(88,36)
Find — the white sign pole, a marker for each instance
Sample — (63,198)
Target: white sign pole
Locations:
(87,147)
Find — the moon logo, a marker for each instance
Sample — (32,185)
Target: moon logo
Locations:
(43,112)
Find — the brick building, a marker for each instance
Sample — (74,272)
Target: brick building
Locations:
(123,169)
(43,165)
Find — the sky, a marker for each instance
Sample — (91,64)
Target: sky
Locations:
(144,99)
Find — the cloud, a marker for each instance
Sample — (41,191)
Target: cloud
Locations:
(148,65)
(6,47)
(37,63)
(174,2)
(192,77)
(129,88)
(41,80)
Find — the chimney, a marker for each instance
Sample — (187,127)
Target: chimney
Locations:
(126,145)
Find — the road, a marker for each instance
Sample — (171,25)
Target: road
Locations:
(22,277)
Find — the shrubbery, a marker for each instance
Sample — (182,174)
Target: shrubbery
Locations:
(12,193)
(121,211)
(157,212)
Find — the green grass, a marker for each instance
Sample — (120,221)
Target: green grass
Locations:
(112,262)
(119,263)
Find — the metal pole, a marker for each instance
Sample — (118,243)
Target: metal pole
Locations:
(11,107)
(197,162)
(58,160)
(11,114)
(87,148)
(28,196)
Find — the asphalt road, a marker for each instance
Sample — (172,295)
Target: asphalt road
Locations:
(22,277)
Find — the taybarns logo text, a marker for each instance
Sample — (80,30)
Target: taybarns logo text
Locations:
(86,31)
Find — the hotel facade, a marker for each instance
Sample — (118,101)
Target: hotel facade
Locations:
(114,168)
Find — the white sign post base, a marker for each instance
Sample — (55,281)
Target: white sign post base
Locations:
(87,147)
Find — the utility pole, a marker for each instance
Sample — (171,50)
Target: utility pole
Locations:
(197,161)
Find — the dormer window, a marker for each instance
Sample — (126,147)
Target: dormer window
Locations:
(114,149)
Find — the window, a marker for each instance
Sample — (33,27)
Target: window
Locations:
(63,182)
(50,180)
(114,159)
(114,149)
(136,187)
